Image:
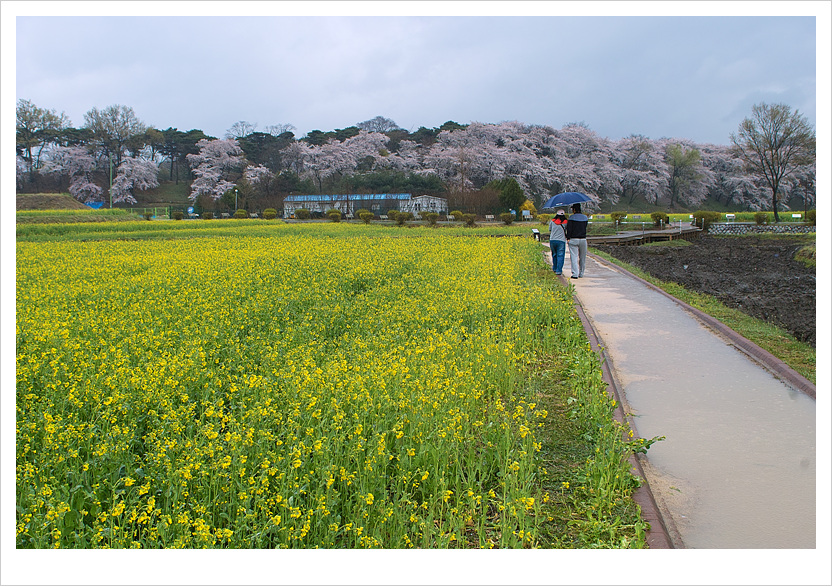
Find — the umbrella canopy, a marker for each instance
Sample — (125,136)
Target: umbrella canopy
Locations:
(565,199)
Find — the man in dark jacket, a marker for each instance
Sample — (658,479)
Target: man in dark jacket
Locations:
(576,240)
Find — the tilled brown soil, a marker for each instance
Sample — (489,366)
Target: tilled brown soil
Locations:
(758,276)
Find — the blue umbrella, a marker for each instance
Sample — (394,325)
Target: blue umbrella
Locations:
(565,199)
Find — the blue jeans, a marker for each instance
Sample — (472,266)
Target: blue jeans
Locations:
(558,248)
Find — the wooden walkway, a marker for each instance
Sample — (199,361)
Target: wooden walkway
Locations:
(637,237)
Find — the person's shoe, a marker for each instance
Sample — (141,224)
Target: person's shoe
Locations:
(574,277)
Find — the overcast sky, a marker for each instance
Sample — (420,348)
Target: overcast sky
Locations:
(692,77)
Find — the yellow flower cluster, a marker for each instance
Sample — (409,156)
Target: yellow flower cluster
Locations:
(281,391)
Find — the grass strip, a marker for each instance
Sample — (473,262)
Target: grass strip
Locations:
(796,354)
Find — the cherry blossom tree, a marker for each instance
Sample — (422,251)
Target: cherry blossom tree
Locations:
(642,169)
(134,173)
(77,164)
(214,166)
(336,157)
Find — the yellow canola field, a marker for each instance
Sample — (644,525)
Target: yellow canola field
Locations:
(297,391)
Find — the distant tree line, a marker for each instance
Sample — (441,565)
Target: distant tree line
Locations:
(115,155)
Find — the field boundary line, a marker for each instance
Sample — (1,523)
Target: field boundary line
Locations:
(767,360)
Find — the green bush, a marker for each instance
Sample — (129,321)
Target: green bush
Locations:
(207,215)
(358,213)
(270,213)
(431,218)
(241,214)
(507,218)
(659,219)
(177,215)
(544,218)
(469,219)
(456,215)
(704,219)
(366,216)
(810,217)
(148,215)
(402,217)
(761,218)
(391,214)
(303,214)
(334,215)
(617,216)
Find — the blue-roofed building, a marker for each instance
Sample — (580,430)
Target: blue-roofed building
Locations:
(378,203)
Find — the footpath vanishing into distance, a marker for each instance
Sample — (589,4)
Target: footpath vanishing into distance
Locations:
(737,468)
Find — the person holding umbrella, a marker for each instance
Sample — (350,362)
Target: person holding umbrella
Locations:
(557,240)
(576,240)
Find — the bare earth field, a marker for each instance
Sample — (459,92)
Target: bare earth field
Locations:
(756,275)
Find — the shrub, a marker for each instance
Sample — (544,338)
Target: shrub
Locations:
(334,215)
(270,213)
(177,215)
(241,214)
(392,214)
(544,218)
(402,217)
(810,217)
(366,216)
(303,214)
(617,217)
(761,218)
(148,215)
(362,211)
(659,219)
(507,218)
(529,205)
(457,215)
(469,219)
(431,217)
(704,219)
(207,215)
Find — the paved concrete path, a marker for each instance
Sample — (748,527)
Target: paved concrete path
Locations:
(737,467)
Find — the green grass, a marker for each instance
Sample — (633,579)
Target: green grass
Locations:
(668,244)
(806,256)
(170,229)
(796,354)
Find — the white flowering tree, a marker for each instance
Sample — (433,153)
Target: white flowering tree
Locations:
(342,157)
(133,173)
(216,163)
(78,165)
(642,170)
